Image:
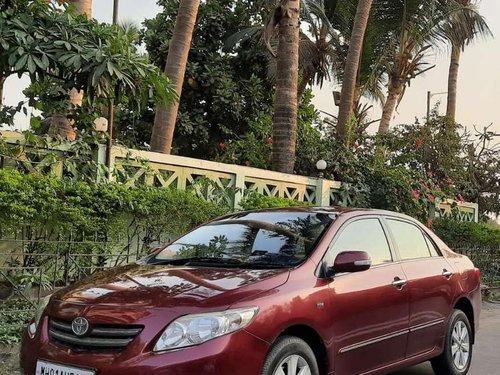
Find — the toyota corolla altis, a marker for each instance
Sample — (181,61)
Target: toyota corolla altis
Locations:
(273,292)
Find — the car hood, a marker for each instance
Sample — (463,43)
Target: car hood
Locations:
(169,286)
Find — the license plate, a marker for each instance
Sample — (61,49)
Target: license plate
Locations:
(47,368)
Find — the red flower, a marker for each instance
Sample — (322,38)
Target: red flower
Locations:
(460,198)
(269,141)
(429,223)
(430,197)
(415,194)
(222,146)
(419,142)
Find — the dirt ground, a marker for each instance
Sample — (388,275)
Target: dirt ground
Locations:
(9,360)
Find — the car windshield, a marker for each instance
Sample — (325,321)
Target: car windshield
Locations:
(255,239)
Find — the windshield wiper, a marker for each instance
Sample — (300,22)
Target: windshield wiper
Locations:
(184,261)
(221,262)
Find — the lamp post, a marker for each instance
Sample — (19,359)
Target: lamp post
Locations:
(429,97)
(321,166)
(111,104)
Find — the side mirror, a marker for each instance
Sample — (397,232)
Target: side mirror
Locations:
(351,261)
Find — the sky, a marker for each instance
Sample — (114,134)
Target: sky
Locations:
(479,81)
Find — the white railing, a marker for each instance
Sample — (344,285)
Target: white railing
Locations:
(182,173)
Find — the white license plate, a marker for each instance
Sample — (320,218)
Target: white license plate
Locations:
(47,368)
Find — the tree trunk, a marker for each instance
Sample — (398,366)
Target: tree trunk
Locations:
(61,125)
(83,7)
(451,108)
(307,75)
(395,90)
(351,66)
(285,109)
(175,69)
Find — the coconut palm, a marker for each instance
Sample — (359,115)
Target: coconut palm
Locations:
(352,66)
(424,26)
(175,69)
(470,25)
(286,19)
(318,48)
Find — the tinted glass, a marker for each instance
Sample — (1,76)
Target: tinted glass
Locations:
(280,238)
(364,235)
(409,239)
(431,246)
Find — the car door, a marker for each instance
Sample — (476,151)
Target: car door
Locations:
(429,283)
(369,309)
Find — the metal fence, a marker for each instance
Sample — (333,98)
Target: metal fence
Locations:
(486,258)
(33,268)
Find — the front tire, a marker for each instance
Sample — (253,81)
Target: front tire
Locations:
(457,354)
(290,356)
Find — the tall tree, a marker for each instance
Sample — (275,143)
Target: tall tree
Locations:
(175,69)
(471,25)
(352,66)
(61,125)
(83,7)
(286,17)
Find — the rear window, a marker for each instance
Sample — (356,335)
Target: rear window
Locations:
(409,239)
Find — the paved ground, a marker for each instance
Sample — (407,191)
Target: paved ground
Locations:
(486,357)
(486,360)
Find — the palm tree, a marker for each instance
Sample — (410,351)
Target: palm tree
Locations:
(424,25)
(471,24)
(286,17)
(175,69)
(352,66)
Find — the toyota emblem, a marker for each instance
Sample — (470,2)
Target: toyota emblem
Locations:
(80,326)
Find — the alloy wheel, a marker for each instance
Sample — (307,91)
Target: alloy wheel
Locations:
(293,365)
(460,345)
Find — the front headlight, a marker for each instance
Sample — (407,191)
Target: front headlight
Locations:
(195,329)
(33,327)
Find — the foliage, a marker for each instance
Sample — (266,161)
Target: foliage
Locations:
(14,315)
(253,149)
(223,93)
(254,201)
(476,234)
(50,204)
(60,51)
(55,156)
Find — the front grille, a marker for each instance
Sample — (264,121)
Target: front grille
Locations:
(99,337)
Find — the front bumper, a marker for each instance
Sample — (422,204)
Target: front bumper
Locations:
(237,353)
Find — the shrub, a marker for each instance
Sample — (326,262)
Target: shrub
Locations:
(254,201)
(476,234)
(46,203)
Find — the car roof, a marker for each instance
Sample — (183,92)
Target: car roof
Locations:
(335,210)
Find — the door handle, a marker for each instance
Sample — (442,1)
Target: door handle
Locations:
(447,273)
(399,283)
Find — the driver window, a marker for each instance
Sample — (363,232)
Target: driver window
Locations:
(363,235)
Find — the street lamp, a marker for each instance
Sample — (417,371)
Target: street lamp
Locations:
(321,166)
(429,97)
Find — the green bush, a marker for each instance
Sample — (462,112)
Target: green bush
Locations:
(254,201)
(477,234)
(61,206)
(14,316)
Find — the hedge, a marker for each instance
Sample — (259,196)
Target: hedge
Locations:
(476,234)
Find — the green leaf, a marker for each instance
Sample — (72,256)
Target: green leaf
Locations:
(20,64)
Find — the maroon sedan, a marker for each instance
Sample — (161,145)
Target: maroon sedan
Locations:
(273,292)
